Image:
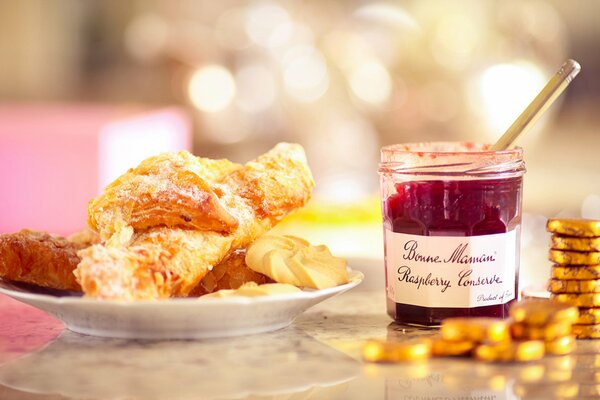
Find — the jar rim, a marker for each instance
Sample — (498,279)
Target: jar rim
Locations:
(470,148)
(458,159)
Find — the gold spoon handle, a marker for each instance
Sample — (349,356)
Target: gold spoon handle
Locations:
(539,105)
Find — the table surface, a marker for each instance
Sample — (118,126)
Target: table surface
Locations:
(318,357)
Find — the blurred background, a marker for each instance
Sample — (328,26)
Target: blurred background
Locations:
(342,78)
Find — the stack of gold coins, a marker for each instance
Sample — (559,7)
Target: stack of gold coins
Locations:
(489,339)
(575,251)
(462,336)
(477,330)
(536,327)
(545,320)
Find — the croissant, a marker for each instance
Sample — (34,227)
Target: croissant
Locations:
(48,261)
(171,189)
(165,261)
(42,259)
(231,273)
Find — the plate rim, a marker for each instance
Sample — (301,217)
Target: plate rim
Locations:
(355,278)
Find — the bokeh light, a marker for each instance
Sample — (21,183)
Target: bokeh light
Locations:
(256,88)
(388,14)
(268,25)
(455,40)
(347,49)
(506,89)
(211,88)
(305,73)
(371,82)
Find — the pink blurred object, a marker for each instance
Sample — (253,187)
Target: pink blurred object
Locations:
(54,159)
(24,329)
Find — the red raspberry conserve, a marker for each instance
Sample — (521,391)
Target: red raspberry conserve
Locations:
(452,215)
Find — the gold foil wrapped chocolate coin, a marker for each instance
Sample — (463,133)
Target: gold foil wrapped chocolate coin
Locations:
(578,272)
(539,312)
(565,257)
(529,350)
(574,227)
(575,243)
(572,286)
(391,351)
(586,331)
(448,348)
(589,316)
(548,332)
(561,346)
(480,330)
(586,300)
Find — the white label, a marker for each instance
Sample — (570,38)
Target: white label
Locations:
(451,271)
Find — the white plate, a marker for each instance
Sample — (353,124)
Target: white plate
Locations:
(185,318)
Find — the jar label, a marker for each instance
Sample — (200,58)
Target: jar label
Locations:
(451,271)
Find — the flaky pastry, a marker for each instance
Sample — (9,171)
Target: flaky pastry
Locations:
(48,261)
(231,273)
(156,260)
(42,259)
(170,189)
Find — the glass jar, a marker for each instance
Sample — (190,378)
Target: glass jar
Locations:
(451,217)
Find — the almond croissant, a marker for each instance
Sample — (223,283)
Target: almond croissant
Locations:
(145,257)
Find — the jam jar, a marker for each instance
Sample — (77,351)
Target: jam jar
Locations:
(451,219)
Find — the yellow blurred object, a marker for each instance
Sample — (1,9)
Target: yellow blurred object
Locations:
(589,316)
(548,332)
(542,311)
(561,346)
(446,348)
(586,331)
(567,362)
(350,229)
(480,330)
(321,212)
(588,300)
(531,373)
(529,350)
(387,351)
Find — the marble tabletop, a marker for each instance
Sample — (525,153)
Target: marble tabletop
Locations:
(317,357)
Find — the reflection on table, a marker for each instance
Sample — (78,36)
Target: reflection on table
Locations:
(316,358)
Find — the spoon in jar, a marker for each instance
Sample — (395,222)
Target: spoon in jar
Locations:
(555,86)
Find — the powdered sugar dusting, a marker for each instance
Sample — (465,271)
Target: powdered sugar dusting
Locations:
(169,261)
